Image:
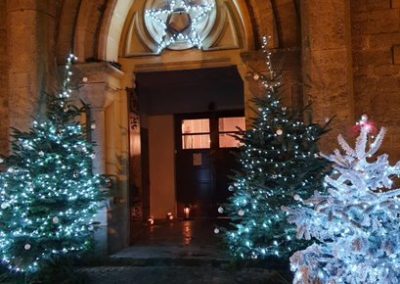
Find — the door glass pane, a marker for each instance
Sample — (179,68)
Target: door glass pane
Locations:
(227,141)
(195,126)
(227,124)
(200,141)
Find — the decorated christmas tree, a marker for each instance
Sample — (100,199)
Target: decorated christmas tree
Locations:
(356,222)
(48,193)
(279,159)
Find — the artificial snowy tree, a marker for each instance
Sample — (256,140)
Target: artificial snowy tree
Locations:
(356,222)
(48,193)
(279,158)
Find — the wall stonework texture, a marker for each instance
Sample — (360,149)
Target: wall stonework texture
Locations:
(30,38)
(375,28)
(4,122)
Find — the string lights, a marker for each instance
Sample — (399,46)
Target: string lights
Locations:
(180,23)
(48,193)
(356,222)
(279,159)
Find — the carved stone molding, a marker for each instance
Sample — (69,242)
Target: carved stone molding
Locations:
(101,83)
(224,32)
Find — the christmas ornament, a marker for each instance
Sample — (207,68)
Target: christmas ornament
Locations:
(216,231)
(369,125)
(220,210)
(41,153)
(55,220)
(27,246)
(241,212)
(279,132)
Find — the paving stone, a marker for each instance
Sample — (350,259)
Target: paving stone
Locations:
(181,274)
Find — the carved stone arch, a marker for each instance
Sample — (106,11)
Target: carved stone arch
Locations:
(89,32)
(66,29)
(232,30)
(85,9)
(263,20)
(88,26)
(112,27)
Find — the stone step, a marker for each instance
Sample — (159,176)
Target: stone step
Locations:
(181,275)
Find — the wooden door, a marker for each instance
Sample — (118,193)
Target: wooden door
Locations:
(205,157)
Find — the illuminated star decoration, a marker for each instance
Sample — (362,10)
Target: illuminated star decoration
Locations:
(181,23)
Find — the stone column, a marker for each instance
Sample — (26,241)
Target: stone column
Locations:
(327,64)
(99,90)
(30,36)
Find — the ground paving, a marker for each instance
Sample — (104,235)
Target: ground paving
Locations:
(178,252)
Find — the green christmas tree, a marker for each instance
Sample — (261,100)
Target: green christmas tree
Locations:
(279,160)
(48,193)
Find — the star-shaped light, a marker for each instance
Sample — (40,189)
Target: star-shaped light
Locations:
(181,23)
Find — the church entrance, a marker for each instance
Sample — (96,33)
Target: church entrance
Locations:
(187,119)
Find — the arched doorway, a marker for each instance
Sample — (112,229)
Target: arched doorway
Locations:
(173,87)
(121,39)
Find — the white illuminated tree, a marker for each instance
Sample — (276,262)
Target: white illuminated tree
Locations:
(356,223)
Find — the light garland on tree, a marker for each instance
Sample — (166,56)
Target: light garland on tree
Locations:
(356,222)
(191,32)
(278,158)
(48,194)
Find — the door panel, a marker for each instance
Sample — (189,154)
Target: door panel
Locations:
(194,180)
(202,175)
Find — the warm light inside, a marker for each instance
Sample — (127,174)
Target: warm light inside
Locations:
(227,127)
(196,133)
(186,211)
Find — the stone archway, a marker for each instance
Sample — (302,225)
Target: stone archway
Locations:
(94,30)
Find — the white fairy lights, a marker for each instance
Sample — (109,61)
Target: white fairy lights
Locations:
(189,36)
(278,159)
(356,223)
(46,209)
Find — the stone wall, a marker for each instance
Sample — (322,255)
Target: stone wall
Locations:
(327,64)
(376,45)
(287,64)
(3,80)
(31,41)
